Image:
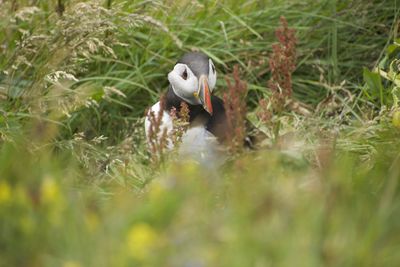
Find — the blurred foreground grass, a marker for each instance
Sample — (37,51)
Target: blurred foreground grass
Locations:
(76,185)
(270,208)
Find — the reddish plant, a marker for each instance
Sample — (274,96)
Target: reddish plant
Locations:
(180,120)
(235,108)
(265,114)
(282,63)
(157,137)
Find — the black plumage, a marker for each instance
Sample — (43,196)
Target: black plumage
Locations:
(215,124)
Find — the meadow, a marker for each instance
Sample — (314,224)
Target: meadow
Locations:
(78,186)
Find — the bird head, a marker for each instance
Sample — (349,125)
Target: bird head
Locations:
(193,79)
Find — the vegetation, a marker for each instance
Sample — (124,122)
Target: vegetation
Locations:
(78,186)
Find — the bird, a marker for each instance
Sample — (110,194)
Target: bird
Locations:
(192,81)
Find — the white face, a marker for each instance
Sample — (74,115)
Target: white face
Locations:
(185,84)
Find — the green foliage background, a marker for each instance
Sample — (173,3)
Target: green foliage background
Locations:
(76,185)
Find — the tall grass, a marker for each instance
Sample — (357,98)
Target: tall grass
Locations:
(233,32)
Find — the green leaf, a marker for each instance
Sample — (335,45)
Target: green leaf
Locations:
(391,49)
(98,95)
(382,64)
(374,83)
(396,96)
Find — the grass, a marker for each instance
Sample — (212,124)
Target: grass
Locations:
(76,184)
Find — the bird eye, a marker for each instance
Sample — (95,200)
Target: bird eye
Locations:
(185,74)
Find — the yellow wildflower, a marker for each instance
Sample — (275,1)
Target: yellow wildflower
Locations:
(396,119)
(71,264)
(50,191)
(5,192)
(141,240)
(191,166)
(189,170)
(51,197)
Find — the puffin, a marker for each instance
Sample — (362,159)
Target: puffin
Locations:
(192,81)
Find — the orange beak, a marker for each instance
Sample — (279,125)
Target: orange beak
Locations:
(205,94)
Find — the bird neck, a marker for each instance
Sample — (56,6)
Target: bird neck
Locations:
(172,100)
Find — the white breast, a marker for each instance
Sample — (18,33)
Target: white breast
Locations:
(166,123)
(197,143)
(202,146)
